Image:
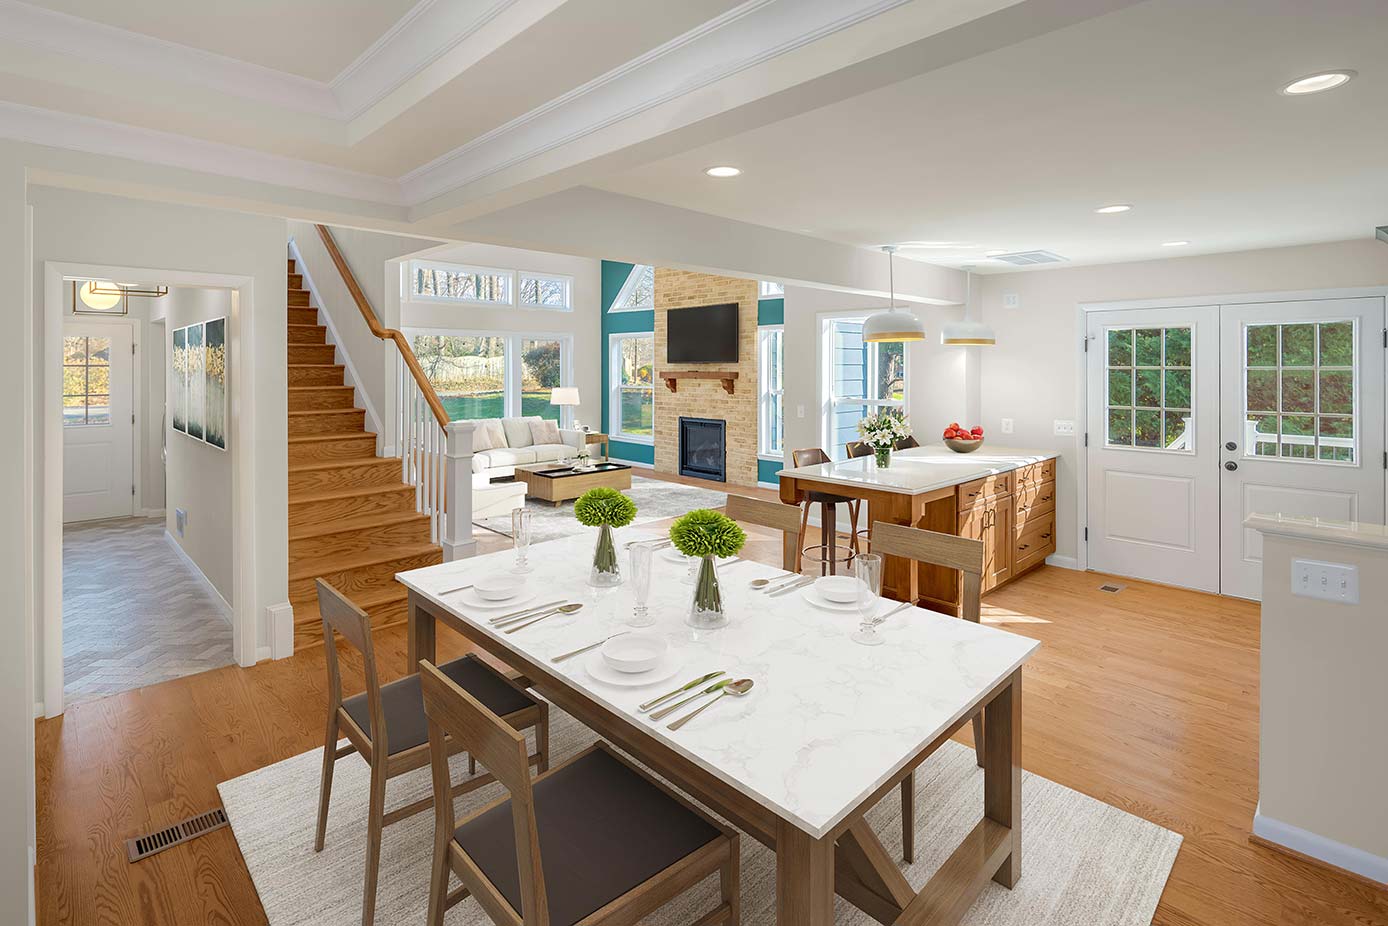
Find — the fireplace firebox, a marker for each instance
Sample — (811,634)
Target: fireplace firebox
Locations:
(703,448)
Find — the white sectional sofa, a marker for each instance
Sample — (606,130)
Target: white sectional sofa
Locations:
(501,444)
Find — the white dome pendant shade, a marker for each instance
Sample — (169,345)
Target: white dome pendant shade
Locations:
(967,332)
(894,324)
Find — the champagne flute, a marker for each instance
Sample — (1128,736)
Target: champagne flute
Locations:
(867,568)
(641,568)
(520,537)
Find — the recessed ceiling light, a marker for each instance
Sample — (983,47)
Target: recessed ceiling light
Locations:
(1174,244)
(723,171)
(1113,207)
(1315,83)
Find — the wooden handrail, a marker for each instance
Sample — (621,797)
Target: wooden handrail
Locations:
(426,388)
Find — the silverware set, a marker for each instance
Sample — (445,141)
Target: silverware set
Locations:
(786,588)
(525,617)
(897,610)
(720,688)
(583,649)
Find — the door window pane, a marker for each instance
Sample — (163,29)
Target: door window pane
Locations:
(1299,391)
(468,373)
(86,381)
(1149,388)
(542,369)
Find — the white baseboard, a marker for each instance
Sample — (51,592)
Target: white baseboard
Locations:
(768,485)
(1310,844)
(262,654)
(38,709)
(217,598)
(636,463)
(280,620)
(1064,562)
(151,512)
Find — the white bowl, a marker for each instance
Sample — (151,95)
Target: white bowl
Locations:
(841,589)
(499,587)
(634,652)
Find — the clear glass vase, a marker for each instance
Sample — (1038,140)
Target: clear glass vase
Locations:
(706,610)
(606,572)
(883,455)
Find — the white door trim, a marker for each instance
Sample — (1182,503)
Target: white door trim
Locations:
(1081,361)
(49,431)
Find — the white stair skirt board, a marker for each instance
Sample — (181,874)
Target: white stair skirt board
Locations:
(1348,858)
(1083,861)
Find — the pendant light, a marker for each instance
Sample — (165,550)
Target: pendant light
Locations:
(967,333)
(894,324)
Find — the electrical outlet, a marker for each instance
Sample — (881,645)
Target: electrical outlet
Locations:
(799,411)
(1064,427)
(1011,301)
(1007,426)
(1329,581)
(180,520)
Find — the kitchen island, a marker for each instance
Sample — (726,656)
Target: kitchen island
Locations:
(1003,497)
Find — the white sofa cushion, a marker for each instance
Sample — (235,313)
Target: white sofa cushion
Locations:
(518,431)
(499,457)
(544,453)
(490,500)
(481,435)
(544,431)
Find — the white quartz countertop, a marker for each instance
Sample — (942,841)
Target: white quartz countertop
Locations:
(828,721)
(1353,533)
(922,469)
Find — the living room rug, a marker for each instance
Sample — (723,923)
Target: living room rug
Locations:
(1084,861)
(655,500)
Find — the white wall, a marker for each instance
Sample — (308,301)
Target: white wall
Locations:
(583,324)
(198,474)
(151,432)
(1032,374)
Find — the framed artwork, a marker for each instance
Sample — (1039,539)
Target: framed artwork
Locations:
(198,381)
(178,374)
(215,377)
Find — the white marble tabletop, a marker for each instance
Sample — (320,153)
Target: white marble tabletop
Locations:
(921,469)
(828,720)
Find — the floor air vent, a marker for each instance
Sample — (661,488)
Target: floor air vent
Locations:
(1111,587)
(142,847)
(1029,258)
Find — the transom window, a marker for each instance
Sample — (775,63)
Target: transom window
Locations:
(638,292)
(770,348)
(766,289)
(86,381)
(631,405)
(460,284)
(1149,398)
(862,378)
(546,291)
(1299,391)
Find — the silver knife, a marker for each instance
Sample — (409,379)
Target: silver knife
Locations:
(786,589)
(670,709)
(680,690)
(584,649)
(782,582)
(449,591)
(523,611)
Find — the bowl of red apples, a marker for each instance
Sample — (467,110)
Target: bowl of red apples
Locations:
(963,440)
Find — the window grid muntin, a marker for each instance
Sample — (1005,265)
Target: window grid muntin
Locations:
(83,370)
(1316,416)
(1166,415)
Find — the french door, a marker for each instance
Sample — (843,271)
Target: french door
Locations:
(1200,416)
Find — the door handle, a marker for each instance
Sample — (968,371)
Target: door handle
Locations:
(1231,446)
(1231,466)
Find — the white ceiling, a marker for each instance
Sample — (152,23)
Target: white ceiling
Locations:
(1170,105)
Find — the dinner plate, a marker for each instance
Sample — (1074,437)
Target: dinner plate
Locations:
(468,598)
(819,601)
(669,664)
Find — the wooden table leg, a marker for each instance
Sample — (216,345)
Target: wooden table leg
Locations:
(1002,772)
(804,878)
(829,535)
(420,638)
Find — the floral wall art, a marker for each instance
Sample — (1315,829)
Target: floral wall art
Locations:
(199,382)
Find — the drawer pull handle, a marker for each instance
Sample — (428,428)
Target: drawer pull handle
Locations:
(1045,536)
(1024,546)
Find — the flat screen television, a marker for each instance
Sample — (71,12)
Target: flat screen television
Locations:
(702,334)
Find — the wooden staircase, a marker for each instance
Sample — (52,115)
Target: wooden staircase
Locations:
(352,520)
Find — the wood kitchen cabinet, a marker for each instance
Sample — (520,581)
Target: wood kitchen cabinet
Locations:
(1013,515)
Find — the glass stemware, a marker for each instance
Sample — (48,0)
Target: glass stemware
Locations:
(520,537)
(641,567)
(867,568)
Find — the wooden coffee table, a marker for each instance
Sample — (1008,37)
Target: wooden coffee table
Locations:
(558,484)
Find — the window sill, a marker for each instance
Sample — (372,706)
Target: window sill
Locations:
(770,458)
(630,439)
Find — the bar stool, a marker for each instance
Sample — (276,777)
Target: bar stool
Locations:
(861,535)
(906,443)
(828,551)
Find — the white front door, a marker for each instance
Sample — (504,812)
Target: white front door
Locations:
(98,425)
(1153,433)
(1302,421)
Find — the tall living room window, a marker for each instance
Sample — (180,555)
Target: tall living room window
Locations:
(631,405)
(495,375)
(860,379)
(771,430)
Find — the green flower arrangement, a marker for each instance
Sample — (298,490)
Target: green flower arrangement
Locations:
(604,509)
(707,533)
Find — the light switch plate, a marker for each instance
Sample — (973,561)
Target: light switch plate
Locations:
(1337,582)
(1064,427)
(799,411)
(1007,426)
(1011,301)
(180,520)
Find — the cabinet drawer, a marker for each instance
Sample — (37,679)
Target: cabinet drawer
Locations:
(1034,543)
(1036,473)
(1032,503)
(982,489)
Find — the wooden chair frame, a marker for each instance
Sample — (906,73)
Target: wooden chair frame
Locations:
(341,616)
(457,717)
(951,552)
(772,515)
(813,456)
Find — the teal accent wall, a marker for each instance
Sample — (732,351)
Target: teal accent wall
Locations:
(767,470)
(614,276)
(771,311)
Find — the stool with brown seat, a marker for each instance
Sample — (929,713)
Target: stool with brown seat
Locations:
(906,443)
(826,552)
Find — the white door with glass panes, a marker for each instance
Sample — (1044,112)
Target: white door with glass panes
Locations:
(98,425)
(1153,496)
(1302,421)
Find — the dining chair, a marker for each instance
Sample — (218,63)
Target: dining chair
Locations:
(906,443)
(774,515)
(857,448)
(951,552)
(593,840)
(385,724)
(827,553)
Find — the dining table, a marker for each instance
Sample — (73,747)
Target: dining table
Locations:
(827,731)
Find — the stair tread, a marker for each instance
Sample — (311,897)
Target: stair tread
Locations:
(345,525)
(318,466)
(320,388)
(307,612)
(330,436)
(373,557)
(326,411)
(354,492)
(301,324)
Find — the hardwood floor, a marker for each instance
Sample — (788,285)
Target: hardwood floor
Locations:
(1146,699)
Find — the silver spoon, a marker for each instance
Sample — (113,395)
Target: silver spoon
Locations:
(763,583)
(739,688)
(563,609)
(667,711)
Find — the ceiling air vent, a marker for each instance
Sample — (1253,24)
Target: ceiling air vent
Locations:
(1029,258)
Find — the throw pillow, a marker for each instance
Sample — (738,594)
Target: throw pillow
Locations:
(481,437)
(545,432)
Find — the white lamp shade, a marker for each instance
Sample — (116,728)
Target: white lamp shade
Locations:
(564,395)
(893,325)
(99,301)
(967,333)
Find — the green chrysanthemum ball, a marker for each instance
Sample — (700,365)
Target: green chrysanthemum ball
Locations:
(604,506)
(703,532)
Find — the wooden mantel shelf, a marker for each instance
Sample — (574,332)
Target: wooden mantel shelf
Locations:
(672,378)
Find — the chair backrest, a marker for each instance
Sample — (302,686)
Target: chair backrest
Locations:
(857,448)
(342,617)
(811,456)
(775,515)
(452,712)
(906,443)
(937,549)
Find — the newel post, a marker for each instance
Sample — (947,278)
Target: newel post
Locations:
(457,483)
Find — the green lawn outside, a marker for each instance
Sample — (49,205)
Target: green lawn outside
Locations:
(493,404)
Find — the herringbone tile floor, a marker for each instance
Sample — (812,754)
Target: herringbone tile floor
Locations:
(133,612)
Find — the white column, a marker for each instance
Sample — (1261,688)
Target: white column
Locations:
(457,461)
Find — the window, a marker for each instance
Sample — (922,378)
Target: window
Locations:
(546,291)
(770,350)
(638,292)
(769,290)
(495,374)
(86,381)
(1299,391)
(460,284)
(542,369)
(1149,400)
(861,378)
(632,375)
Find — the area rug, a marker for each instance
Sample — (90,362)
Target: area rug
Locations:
(655,500)
(1084,862)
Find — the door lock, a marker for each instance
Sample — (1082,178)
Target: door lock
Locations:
(1231,466)
(1231,446)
